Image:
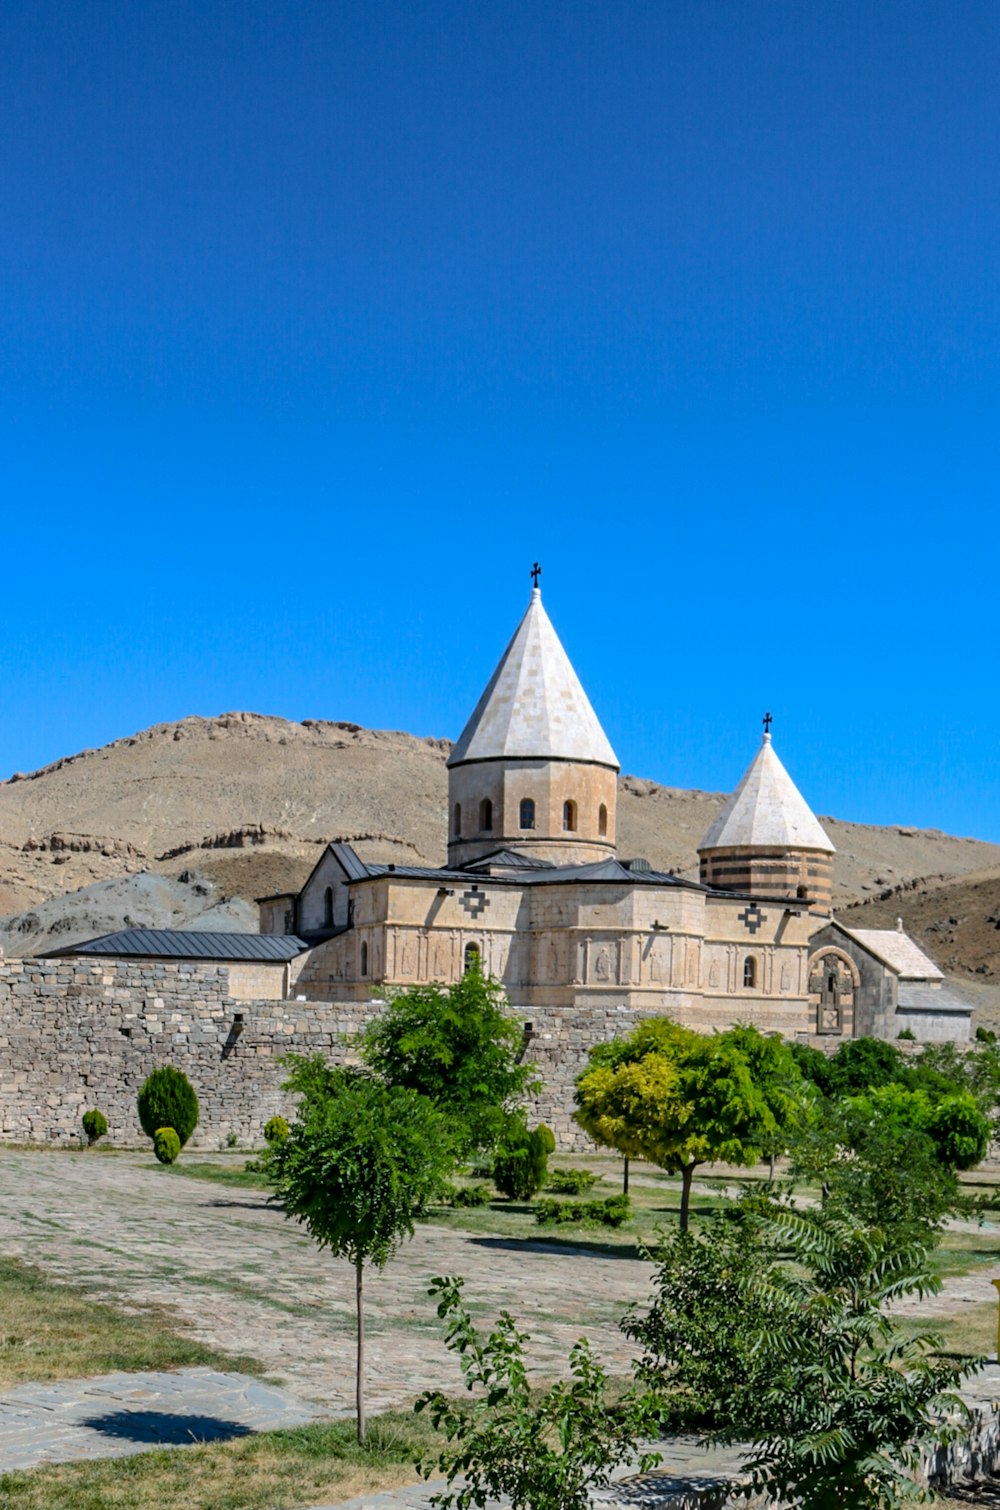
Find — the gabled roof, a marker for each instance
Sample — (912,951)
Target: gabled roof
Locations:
(897,950)
(767,809)
(171,943)
(507,859)
(534,706)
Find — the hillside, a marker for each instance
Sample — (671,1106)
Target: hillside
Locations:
(239,805)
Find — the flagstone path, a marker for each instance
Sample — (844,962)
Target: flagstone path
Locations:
(239,1277)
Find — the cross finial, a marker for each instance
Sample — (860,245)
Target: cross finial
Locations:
(767,721)
(536,572)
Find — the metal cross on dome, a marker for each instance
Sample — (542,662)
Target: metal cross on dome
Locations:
(768,721)
(536,572)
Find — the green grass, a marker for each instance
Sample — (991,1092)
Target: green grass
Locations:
(53,1331)
(272,1470)
(221,1174)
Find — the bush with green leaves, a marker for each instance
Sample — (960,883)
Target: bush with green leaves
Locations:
(521,1164)
(572,1181)
(95,1125)
(539,1449)
(167,1099)
(470,1195)
(776,1329)
(166,1145)
(614,1211)
(275,1128)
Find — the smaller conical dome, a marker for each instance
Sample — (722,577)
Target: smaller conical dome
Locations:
(534,706)
(766,809)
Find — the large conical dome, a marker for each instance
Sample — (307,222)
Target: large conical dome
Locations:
(767,810)
(534,706)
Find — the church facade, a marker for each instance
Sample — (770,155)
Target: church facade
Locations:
(535,892)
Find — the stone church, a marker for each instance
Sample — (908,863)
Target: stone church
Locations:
(535,892)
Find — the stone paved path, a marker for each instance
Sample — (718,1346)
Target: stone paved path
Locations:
(240,1277)
(119,1414)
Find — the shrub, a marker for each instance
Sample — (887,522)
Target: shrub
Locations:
(572,1181)
(166,1145)
(275,1129)
(95,1125)
(168,1100)
(608,1213)
(521,1165)
(472,1195)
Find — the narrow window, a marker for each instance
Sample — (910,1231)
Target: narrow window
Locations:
(749,972)
(569,817)
(833,985)
(472,958)
(364,959)
(486,816)
(527,812)
(458,820)
(602,821)
(328,907)
(802,892)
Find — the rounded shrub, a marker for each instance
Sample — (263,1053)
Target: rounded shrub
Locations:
(95,1125)
(168,1100)
(166,1145)
(275,1130)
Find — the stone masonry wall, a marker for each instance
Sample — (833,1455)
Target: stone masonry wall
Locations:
(77,1033)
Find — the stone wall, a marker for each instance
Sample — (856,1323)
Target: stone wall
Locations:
(77,1033)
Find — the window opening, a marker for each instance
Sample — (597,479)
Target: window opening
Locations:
(527,812)
(602,821)
(364,959)
(458,820)
(569,817)
(486,816)
(472,957)
(328,907)
(749,972)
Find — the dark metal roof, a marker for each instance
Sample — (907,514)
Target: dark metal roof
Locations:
(917,997)
(170,943)
(508,859)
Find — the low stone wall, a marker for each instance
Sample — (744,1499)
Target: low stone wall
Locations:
(78,1033)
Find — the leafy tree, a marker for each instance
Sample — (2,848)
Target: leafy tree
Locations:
(457,1046)
(680,1098)
(837,1402)
(544,1450)
(862,1064)
(359,1161)
(167,1099)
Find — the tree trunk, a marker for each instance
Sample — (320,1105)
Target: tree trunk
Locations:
(770,1172)
(625,1177)
(359,1272)
(687,1175)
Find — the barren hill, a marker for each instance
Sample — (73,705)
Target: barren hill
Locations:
(241,803)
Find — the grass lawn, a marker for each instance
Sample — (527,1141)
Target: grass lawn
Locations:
(51,1331)
(274,1470)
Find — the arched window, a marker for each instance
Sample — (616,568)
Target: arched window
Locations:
(458,820)
(527,812)
(364,959)
(486,816)
(749,972)
(569,817)
(833,985)
(328,907)
(473,959)
(802,892)
(602,821)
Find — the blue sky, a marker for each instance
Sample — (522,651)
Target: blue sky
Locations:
(320,322)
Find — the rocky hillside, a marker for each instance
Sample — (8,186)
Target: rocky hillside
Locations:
(193,820)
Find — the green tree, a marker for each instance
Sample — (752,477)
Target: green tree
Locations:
(360,1160)
(680,1099)
(836,1400)
(168,1099)
(542,1449)
(522,1161)
(457,1046)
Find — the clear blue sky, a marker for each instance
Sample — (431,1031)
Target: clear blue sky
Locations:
(319,322)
